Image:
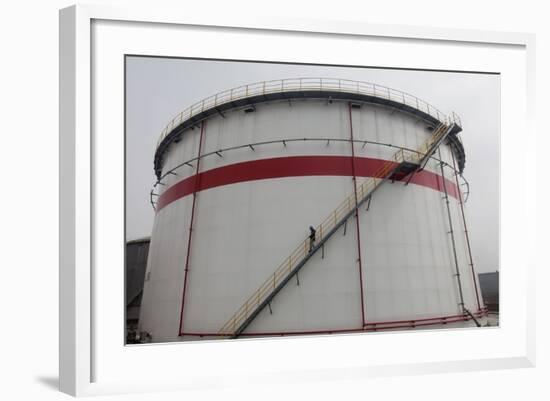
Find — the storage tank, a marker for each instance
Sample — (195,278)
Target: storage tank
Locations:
(308,206)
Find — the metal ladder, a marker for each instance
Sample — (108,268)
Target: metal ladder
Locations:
(402,164)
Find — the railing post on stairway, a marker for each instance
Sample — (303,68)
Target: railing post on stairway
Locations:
(345,226)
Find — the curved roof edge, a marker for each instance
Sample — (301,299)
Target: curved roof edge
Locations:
(138,240)
(378,95)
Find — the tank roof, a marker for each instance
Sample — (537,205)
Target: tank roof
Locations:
(305,88)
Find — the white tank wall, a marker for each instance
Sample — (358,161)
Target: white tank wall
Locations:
(304,118)
(243,231)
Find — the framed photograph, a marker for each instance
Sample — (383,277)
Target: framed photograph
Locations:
(235,194)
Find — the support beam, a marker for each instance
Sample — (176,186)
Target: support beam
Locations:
(466,234)
(457,269)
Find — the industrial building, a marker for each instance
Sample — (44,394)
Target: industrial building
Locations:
(489,283)
(309,206)
(137,251)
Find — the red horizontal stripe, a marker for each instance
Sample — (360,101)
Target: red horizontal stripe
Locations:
(295,166)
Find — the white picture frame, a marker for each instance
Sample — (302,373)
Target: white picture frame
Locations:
(89,356)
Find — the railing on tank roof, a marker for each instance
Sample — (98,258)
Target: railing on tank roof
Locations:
(306,84)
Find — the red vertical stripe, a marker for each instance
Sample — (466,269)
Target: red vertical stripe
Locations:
(359,260)
(196,184)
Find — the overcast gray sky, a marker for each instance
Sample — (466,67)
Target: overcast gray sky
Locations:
(159,88)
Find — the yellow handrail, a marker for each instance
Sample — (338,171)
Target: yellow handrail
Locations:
(330,222)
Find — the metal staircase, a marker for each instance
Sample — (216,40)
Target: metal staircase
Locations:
(402,164)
